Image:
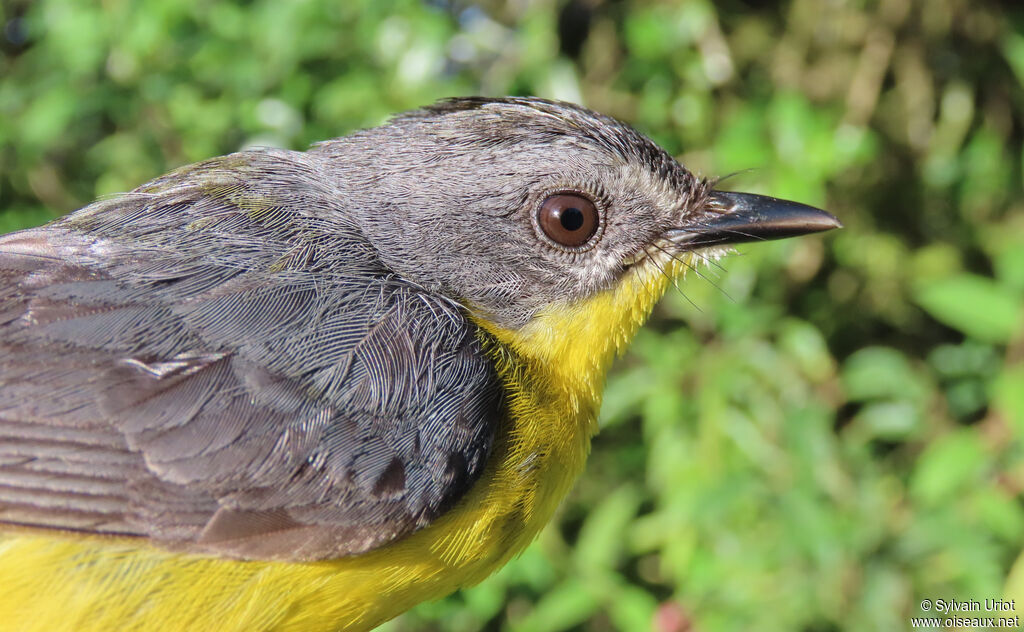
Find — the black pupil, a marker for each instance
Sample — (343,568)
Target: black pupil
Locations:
(571,218)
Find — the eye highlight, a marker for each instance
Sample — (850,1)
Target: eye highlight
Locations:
(568,219)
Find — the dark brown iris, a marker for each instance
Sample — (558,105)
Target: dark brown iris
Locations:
(568,219)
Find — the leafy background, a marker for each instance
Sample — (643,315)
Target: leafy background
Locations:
(820,433)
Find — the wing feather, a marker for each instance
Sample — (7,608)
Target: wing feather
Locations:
(190,364)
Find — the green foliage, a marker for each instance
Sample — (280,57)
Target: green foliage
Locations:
(980,307)
(815,435)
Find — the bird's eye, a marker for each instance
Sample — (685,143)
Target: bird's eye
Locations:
(568,219)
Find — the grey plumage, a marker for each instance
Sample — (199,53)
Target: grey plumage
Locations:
(277,354)
(191,363)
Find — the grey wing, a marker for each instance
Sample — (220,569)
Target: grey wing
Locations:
(271,412)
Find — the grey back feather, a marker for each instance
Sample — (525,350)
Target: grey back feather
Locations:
(219,363)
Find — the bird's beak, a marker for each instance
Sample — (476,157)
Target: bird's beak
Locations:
(738,217)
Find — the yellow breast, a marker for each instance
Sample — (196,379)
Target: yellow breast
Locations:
(553,371)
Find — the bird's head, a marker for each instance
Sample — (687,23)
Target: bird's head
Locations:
(552,224)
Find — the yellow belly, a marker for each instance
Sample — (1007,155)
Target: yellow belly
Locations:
(54,583)
(553,371)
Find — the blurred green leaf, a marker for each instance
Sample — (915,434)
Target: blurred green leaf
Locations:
(879,372)
(890,421)
(49,116)
(600,542)
(632,608)
(1013,49)
(808,347)
(977,306)
(742,142)
(950,464)
(1001,513)
(564,606)
(1008,396)
(649,35)
(1009,264)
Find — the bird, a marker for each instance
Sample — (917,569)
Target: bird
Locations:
(307,390)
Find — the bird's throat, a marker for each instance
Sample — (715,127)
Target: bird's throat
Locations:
(567,348)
